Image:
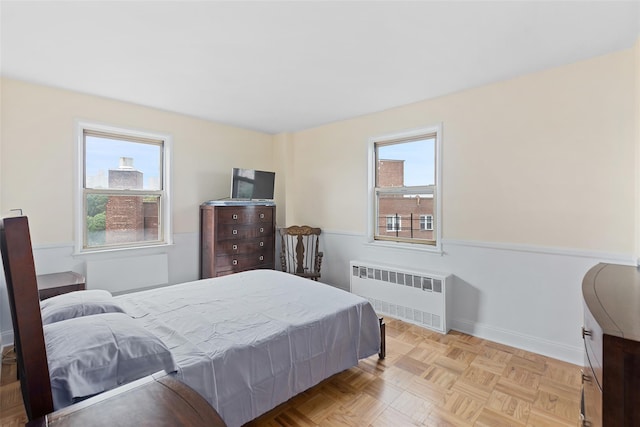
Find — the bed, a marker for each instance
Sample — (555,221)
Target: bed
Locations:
(246,342)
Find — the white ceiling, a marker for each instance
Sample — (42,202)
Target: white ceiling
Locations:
(286,66)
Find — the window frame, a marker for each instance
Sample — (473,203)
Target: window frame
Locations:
(424,220)
(165,236)
(434,245)
(395,225)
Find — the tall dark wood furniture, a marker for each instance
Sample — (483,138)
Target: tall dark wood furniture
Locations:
(22,289)
(236,236)
(611,332)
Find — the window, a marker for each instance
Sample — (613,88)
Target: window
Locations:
(394,223)
(426,222)
(405,196)
(122,196)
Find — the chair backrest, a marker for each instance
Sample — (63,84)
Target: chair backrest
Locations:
(22,289)
(300,251)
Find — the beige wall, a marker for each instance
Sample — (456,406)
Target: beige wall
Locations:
(637,115)
(546,159)
(37,152)
(282,155)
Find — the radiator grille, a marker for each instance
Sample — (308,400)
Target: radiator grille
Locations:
(416,297)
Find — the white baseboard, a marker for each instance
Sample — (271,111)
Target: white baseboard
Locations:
(533,344)
(6,339)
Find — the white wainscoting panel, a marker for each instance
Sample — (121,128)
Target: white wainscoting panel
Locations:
(525,297)
(124,274)
(119,271)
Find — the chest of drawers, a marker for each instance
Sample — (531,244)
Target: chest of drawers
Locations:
(611,333)
(236,238)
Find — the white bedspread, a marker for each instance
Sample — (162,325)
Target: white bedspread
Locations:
(250,341)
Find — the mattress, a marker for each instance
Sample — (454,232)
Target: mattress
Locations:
(250,341)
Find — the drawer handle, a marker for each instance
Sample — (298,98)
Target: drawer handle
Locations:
(261,243)
(234,262)
(234,216)
(585,332)
(261,257)
(585,377)
(235,231)
(235,247)
(261,229)
(261,216)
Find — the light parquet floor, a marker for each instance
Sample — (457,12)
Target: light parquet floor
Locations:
(427,379)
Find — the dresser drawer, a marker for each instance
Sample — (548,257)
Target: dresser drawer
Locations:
(591,400)
(232,271)
(592,335)
(244,215)
(242,247)
(231,231)
(245,262)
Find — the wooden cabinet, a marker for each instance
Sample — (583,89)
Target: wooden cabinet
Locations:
(611,333)
(51,285)
(236,237)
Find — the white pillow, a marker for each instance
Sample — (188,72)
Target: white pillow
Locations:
(77,304)
(91,354)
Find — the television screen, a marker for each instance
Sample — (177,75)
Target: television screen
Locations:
(252,184)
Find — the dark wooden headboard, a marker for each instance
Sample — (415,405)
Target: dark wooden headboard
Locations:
(22,288)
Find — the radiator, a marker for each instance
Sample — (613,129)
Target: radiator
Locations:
(416,297)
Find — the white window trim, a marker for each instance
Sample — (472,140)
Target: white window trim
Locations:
(397,226)
(424,217)
(371,211)
(79,186)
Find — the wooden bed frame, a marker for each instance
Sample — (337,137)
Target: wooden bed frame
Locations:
(22,289)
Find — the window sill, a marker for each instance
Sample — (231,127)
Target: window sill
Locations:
(130,250)
(417,247)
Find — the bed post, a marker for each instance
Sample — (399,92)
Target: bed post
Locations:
(22,289)
(383,341)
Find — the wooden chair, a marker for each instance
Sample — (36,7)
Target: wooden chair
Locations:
(22,289)
(300,253)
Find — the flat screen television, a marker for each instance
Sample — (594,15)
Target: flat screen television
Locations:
(252,184)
